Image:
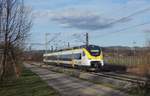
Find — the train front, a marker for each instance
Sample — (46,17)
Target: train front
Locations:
(93,56)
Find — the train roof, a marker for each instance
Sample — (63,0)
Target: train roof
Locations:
(76,47)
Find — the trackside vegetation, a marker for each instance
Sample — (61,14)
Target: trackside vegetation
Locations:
(29,84)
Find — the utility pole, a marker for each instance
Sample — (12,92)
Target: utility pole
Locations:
(51,48)
(87,39)
(30,47)
(134,50)
(84,40)
(68,44)
(49,41)
(46,43)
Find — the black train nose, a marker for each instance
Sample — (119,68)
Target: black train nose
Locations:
(95,64)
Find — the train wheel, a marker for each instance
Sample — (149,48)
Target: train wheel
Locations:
(98,68)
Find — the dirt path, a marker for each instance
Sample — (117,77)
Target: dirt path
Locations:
(70,86)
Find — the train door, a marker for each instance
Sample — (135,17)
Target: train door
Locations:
(83,58)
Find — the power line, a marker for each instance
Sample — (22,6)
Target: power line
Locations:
(55,37)
(47,42)
(131,15)
(124,29)
(87,39)
(38,44)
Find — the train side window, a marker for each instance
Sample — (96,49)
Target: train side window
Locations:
(76,56)
(79,56)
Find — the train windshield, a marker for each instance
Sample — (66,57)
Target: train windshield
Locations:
(94,50)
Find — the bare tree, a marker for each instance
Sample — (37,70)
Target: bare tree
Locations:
(15,23)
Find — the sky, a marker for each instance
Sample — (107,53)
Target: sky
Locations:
(108,22)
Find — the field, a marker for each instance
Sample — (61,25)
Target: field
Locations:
(29,84)
(138,62)
(128,60)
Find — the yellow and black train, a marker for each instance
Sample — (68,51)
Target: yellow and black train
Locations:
(85,56)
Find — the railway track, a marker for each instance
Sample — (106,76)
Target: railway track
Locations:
(109,75)
(68,85)
(122,77)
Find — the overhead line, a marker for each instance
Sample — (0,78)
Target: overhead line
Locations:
(133,14)
(127,28)
(55,37)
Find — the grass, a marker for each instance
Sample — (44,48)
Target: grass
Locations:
(29,84)
(128,60)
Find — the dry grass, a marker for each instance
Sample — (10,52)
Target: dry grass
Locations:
(141,69)
(137,63)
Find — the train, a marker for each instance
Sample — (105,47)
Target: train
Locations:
(90,56)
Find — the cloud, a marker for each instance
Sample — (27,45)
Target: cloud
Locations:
(42,14)
(147,30)
(85,20)
(82,21)
(79,19)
